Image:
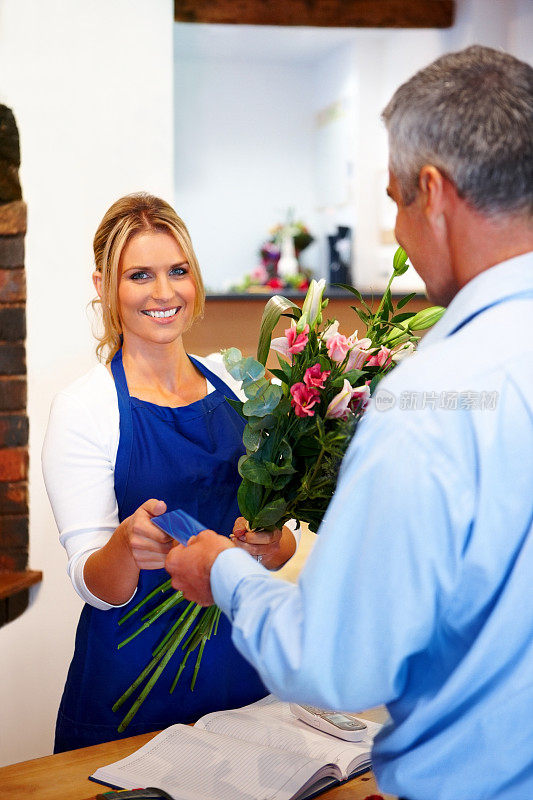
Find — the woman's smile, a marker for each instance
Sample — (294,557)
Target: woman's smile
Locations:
(156,289)
(162,315)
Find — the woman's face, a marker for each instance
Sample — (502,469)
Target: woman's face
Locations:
(156,290)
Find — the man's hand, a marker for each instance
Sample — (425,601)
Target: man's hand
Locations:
(190,566)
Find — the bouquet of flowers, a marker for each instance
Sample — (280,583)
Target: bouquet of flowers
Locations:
(298,426)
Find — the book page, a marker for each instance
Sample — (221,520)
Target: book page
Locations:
(193,764)
(270,723)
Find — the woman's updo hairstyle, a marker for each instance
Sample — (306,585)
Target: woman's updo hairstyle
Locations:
(133,214)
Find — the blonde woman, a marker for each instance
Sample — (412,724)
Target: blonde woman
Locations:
(147,431)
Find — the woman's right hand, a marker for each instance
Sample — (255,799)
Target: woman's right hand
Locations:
(148,544)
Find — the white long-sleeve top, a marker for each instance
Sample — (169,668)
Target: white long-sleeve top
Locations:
(78,460)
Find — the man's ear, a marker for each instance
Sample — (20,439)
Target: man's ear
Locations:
(97,280)
(432,194)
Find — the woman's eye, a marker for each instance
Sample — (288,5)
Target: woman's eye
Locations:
(178,271)
(139,275)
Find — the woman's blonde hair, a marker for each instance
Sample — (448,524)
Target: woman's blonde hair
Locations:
(133,214)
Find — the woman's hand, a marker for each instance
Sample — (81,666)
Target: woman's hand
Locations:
(148,544)
(271,548)
(112,572)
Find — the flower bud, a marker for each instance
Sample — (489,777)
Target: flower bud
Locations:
(313,302)
(426,318)
(399,262)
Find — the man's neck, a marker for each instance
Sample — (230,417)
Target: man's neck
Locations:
(478,242)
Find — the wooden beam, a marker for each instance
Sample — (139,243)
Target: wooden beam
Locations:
(320,13)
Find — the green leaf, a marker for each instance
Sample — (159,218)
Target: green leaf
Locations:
(285,366)
(402,317)
(387,305)
(375,380)
(254,387)
(279,469)
(248,370)
(352,376)
(262,423)
(349,288)
(279,373)
(280,481)
(407,299)
(254,471)
(264,402)
(251,439)
(249,497)
(275,307)
(231,357)
(237,405)
(270,514)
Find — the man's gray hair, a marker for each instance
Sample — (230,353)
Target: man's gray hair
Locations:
(470,114)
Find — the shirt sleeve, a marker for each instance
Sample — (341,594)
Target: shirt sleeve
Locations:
(369,591)
(78,469)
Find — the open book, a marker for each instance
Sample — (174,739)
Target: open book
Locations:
(259,752)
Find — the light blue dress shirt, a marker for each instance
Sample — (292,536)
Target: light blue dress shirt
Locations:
(419,590)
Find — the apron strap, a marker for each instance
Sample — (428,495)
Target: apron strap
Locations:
(214,380)
(122,466)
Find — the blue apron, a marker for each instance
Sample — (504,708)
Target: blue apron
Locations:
(187,457)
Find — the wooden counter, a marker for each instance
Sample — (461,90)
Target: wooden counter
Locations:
(234,321)
(65,776)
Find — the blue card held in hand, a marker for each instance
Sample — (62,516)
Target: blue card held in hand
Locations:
(178,524)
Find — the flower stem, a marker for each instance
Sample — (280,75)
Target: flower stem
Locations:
(163,587)
(150,618)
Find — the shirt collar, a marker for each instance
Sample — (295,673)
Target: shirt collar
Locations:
(494,285)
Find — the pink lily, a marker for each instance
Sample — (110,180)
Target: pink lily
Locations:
(337,345)
(339,407)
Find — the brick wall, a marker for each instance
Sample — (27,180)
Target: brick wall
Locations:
(13,418)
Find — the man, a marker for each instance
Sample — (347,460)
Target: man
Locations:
(419,591)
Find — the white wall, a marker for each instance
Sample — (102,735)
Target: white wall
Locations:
(244,129)
(243,156)
(90,85)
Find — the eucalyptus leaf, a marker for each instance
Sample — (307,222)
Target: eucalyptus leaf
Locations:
(231,357)
(262,423)
(270,514)
(280,481)
(252,388)
(254,471)
(251,439)
(248,370)
(264,402)
(249,497)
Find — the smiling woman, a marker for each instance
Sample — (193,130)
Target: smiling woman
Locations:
(146,431)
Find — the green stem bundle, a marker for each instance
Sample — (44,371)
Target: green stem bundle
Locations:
(200,623)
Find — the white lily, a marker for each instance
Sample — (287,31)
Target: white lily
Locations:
(312,306)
